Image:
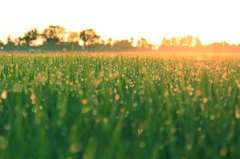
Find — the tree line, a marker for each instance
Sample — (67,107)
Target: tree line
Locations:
(56,38)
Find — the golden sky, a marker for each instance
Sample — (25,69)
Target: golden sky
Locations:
(210,20)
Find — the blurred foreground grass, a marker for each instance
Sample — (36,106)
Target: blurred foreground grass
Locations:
(106,106)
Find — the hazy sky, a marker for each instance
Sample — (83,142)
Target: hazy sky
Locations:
(210,20)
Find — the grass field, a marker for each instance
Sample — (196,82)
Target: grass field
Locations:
(112,106)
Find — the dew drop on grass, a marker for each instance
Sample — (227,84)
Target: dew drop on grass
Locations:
(189,147)
(139,131)
(223,152)
(212,117)
(75,147)
(117,97)
(4,94)
(237,114)
(84,101)
(86,110)
(105,120)
(167,122)
(205,100)
(135,104)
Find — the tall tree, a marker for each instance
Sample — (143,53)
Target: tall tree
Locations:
(166,42)
(1,45)
(190,40)
(10,44)
(88,37)
(53,35)
(174,42)
(142,43)
(30,36)
(110,41)
(198,42)
(183,42)
(122,45)
(73,37)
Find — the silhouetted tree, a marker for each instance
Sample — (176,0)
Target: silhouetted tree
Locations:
(166,42)
(53,35)
(183,42)
(10,44)
(198,42)
(189,41)
(218,47)
(30,36)
(20,41)
(72,42)
(56,38)
(143,44)
(73,37)
(1,45)
(122,45)
(88,37)
(131,40)
(110,41)
(108,45)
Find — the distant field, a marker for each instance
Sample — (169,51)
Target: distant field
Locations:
(115,106)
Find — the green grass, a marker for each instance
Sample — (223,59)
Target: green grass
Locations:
(119,106)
